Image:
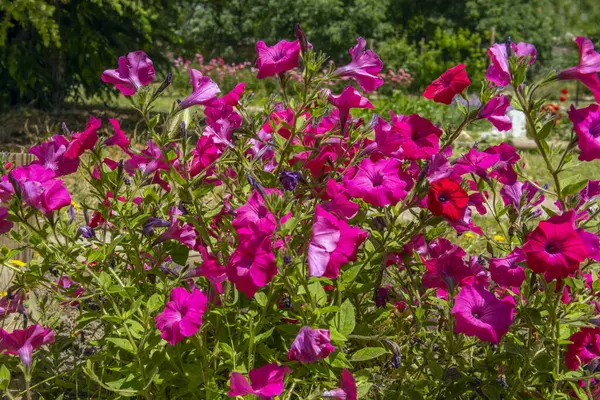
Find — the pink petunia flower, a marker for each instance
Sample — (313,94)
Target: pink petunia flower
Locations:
(70,288)
(204,155)
(134,71)
(378,183)
(277,59)
(215,273)
(479,313)
(5,224)
(23,342)
(495,112)
(182,315)
(475,161)
(499,72)
(267,382)
(204,90)
(445,272)
(51,155)
(183,233)
(452,82)
(347,389)
(338,203)
(420,138)
(587,70)
(584,347)
(119,138)
(39,189)
(364,67)
(521,193)
(311,345)
(503,168)
(333,244)
(349,98)
(555,248)
(252,266)
(586,123)
(232,98)
(12,303)
(506,271)
(82,141)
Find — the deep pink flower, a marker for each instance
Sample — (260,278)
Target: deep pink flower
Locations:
(347,389)
(506,271)
(39,189)
(555,248)
(439,168)
(475,161)
(479,313)
(267,382)
(338,203)
(183,233)
(70,288)
(232,98)
(525,50)
(252,266)
(134,71)
(210,269)
(311,345)
(586,123)
(465,224)
(333,244)
(12,303)
(204,90)
(278,59)
(149,160)
(446,198)
(503,168)
(349,98)
(498,72)
(378,183)
(182,315)
(520,192)
(495,112)
(452,82)
(592,244)
(204,154)
(23,342)
(584,347)
(587,70)
(420,138)
(119,138)
(5,224)
(82,141)
(445,272)
(6,190)
(364,67)
(256,213)
(51,155)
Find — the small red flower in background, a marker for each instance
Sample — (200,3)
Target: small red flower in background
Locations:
(564,91)
(563,98)
(448,199)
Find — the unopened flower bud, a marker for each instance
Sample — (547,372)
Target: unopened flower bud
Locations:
(71,213)
(86,232)
(183,130)
(65,130)
(165,84)
(289,179)
(301,36)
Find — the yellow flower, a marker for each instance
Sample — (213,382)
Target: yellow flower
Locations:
(469,235)
(499,238)
(75,205)
(3,294)
(18,263)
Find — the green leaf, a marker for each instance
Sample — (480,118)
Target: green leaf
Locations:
(4,377)
(546,129)
(574,188)
(368,353)
(363,389)
(317,293)
(153,122)
(346,320)
(122,343)
(179,253)
(261,299)
(155,302)
(260,337)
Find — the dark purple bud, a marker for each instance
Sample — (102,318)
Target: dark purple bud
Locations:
(502,381)
(481,261)
(287,260)
(508,46)
(476,144)
(379,223)
(380,297)
(153,222)
(183,208)
(65,130)
(301,36)
(165,84)
(86,232)
(119,170)
(289,179)
(71,214)
(546,186)
(15,184)
(86,216)
(183,130)
(127,181)
(256,185)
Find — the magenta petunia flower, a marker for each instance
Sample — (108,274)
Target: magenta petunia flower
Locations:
(364,67)
(592,243)
(182,315)
(555,248)
(12,303)
(204,90)
(506,271)
(452,82)
(445,272)
(503,168)
(347,389)
(82,141)
(479,313)
(495,112)
(499,71)
(338,203)
(475,161)
(134,71)
(587,70)
(311,345)
(5,224)
(183,233)
(333,243)
(23,342)
(232,98)
(267,382)
(586,123)
(277,59)
(119,138)
(252,266)
(256,213)
(210,268)
(412,138)
(584,347)
(39,189)
(524,50)
(70,288)
(378,183)
(51,155)
(521,193)
(349,98)
(204,155)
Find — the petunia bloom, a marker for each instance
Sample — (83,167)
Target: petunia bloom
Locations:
(555,248)
(364,67)
(119,138)
(495,112)
(82,141)
(338,203)
(311,345)
(23,342)
(51,155)
(277,59)
(349,98)
(378,183)
(506,271)
(587,70)
(12,303)
(183,233)
(252,266)
(452,82)
(333,243)
(347,389)
(584,347)
(39,189)
(479,313)
(586,123)
(134,71)
(182,315)
(5,224)
(446,198)
(445,272)
(266,382)
(204,90)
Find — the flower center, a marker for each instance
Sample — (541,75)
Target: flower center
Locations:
(443,197)
(552,248)
(377,180)
(595,129)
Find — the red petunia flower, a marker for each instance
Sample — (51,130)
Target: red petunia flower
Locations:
(447,198)
(449,84)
